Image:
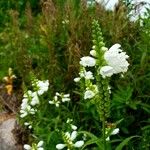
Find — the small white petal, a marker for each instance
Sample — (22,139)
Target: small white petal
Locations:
(93,53)
(73,135)
(89,94)
(57,94)
(30,127)
(115,131)
(51,102)
(57,104)
(108,139)
(79,144)
(66,95)
(65,99)
(115,46)
(77,79)
(106,71)
(73,127)
(104,48)
(26,123)
(40,143)
(27,147)
(60,146)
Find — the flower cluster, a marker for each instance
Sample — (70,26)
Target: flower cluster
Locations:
(31,98)
(69,138)
(34,146)
(40,86)
(58,98)
(116,61)
(91,89)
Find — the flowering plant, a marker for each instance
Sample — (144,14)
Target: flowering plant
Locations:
(94,78)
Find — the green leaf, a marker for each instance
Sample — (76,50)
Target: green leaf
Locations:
(124,142)
(93,140)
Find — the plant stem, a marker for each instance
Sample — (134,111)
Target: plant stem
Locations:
(104,137)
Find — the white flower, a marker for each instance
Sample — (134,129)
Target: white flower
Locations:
(26,123)
(60,146)
(106,71)
(27,147)
(55,101)
(89,75)
(89,94)
(35,99)
(108,138)
(86,74)
(116,58)
(24,103)
(40,144)
(23,113)
(115,131)
(87,61)
(73,127)
(104,48)
(42,86)
(69,139)
(77,79)
(65,97)
(93,53)
(79,144)
(36,146)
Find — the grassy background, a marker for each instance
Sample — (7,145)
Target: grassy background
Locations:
(34,39)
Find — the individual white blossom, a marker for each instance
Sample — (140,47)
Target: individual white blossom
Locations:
(88,61)
(86,74)
(25,111)
(69,141)
(27,147)
(73,127)
(77,79)
(55,101)
(89,94)
(116,59)
(34,146)
(93,53)
(35,99)
(42,86)
(106,71)
(65,97)
(58,98)
(79,144)
(60,146)
(104,48)
(115,131)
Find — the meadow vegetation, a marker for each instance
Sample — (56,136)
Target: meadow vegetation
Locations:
(43,41)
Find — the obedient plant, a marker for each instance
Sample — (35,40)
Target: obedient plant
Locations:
(95,73)
(106,62)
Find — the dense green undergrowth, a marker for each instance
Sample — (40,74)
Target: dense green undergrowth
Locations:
(47,38)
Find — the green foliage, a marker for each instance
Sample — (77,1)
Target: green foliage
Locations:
(47,38)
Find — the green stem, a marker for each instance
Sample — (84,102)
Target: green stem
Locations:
(104,131)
